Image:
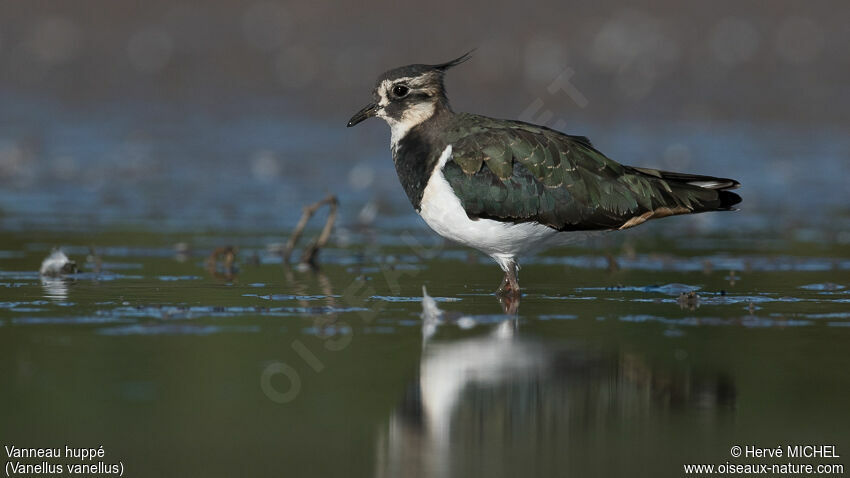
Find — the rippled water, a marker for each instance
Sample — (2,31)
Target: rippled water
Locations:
(289,367)
(629,354)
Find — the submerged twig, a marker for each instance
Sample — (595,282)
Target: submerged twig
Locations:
(311,252)
(227,255)
(94,259)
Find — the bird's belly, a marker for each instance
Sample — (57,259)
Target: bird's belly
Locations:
(444,213)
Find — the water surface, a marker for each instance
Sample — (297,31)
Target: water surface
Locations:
(629,354)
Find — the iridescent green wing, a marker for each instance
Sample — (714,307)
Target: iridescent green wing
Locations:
(518,172)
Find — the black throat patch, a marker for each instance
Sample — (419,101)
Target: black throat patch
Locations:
(415,156)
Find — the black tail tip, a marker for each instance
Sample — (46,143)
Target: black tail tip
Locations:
(728,199)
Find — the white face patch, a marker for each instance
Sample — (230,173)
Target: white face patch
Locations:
(382,92)
(413,115)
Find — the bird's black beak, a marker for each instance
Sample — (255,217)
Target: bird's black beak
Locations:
(369,111)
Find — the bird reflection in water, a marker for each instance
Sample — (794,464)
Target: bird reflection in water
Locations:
(55,288)
(505,392)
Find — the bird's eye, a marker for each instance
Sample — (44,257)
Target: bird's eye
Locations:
(400,91)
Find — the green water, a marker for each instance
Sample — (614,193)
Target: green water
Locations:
(146,136)
(178,370)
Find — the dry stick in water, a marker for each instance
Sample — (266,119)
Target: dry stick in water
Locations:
(228,256)
(310,253)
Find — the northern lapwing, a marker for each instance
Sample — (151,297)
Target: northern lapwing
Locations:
(508,187)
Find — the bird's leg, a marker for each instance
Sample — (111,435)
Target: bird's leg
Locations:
(510,284)
(513,279)
(503,287)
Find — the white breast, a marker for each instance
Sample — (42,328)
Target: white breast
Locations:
(443,212)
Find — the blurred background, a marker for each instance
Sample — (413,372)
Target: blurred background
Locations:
(170,111)
(169,147)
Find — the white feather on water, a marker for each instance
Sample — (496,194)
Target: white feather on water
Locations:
(57,264)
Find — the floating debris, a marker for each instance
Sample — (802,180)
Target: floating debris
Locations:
(688,300)
(57,264)
(227,256)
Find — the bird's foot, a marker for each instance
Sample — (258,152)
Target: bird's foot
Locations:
(509,287)
(508,291)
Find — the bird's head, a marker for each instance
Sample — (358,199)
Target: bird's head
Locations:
(408,95)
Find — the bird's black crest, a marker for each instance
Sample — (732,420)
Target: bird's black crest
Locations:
(419,69)
(457,61)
